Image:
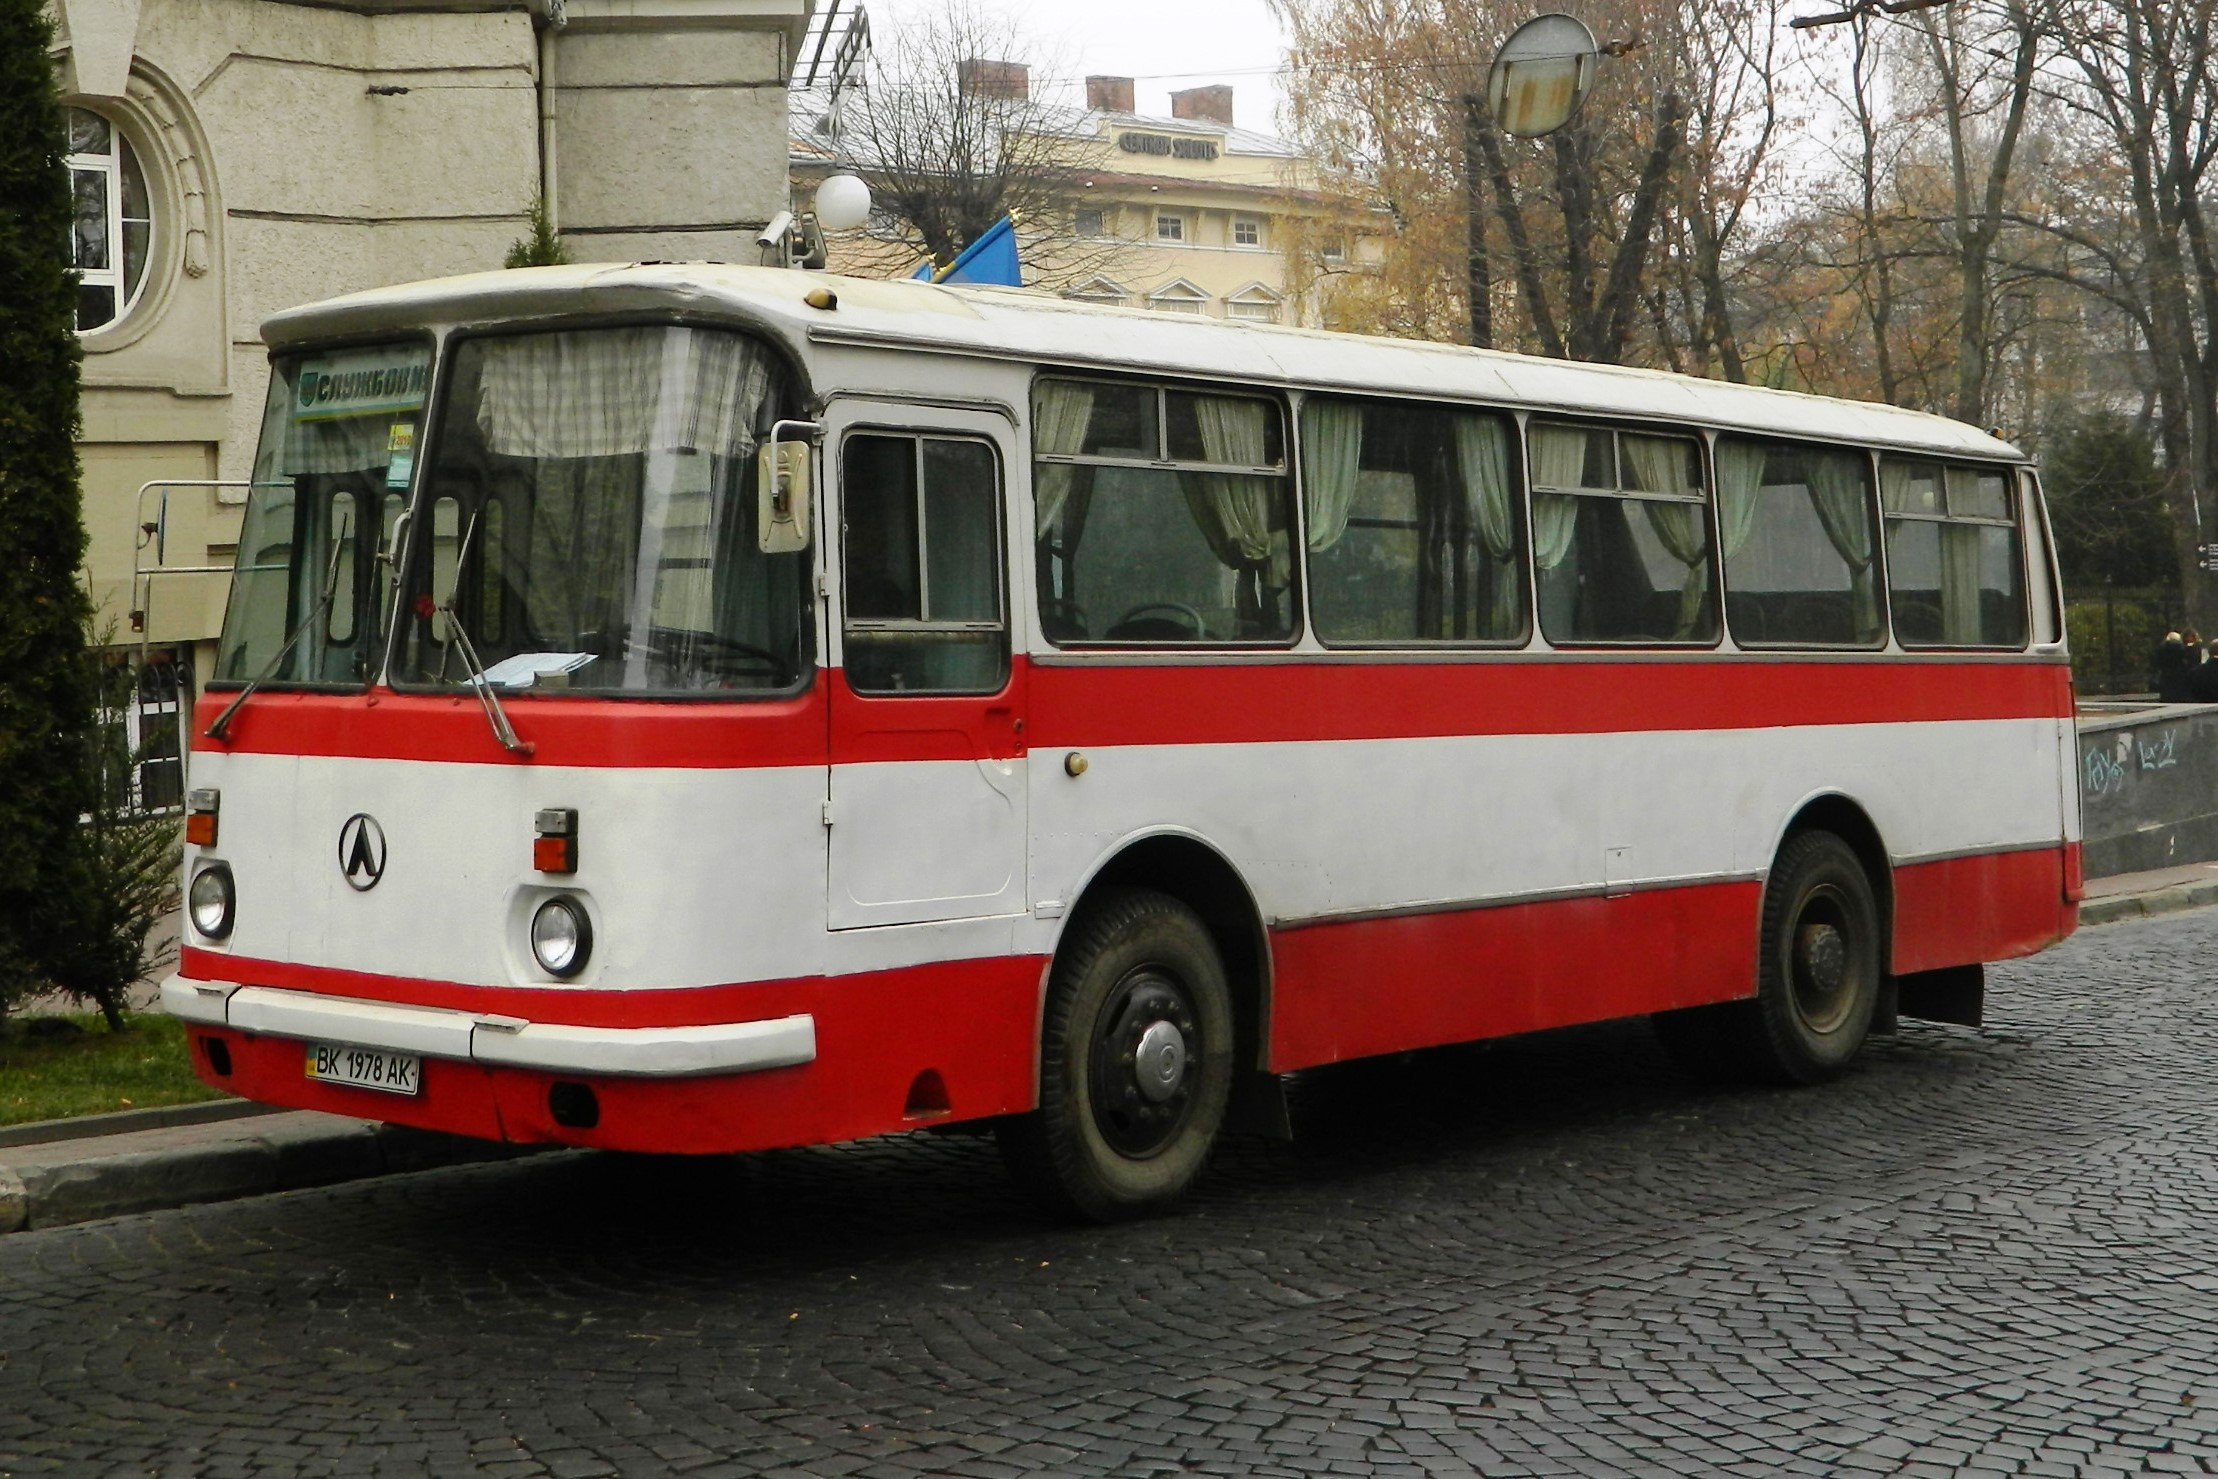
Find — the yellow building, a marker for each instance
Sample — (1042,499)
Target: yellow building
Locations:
(1185,214)
(230,158)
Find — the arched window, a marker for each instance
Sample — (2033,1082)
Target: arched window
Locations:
(114,219)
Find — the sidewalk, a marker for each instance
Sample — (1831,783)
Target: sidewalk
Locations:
(68,1171)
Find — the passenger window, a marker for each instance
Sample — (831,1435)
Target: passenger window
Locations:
(1621,537)
(1795,525)
(1413,527)
(921,555)
(1955,569)
(1134,552)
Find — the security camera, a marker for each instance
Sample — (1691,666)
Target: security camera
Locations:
(774,234)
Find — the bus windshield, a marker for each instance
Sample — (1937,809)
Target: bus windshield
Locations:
(588,517)
(330,479)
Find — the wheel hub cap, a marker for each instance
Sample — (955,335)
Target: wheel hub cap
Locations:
(1141,1084)
(1824,956)
(1160,1062)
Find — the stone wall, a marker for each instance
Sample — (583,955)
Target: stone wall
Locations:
(2148,788)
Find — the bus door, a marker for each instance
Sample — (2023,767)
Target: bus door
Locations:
(926,817)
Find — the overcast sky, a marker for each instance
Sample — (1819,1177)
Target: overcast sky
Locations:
(1164,44)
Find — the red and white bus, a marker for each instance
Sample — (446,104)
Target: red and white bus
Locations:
(702,709)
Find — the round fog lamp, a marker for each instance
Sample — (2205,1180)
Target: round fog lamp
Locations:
(209,901)
(560,937)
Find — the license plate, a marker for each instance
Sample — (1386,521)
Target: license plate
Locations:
(365,1068)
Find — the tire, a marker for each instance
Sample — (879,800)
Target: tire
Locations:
(1138,989)
(1820,970)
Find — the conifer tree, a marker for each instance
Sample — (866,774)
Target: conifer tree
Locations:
(46,696)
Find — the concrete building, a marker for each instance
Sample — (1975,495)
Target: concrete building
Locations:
(1185,214)
(234,157)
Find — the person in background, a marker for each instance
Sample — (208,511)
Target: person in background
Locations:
(2175,664)
(2202,674)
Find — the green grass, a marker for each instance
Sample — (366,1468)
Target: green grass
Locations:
(93,1070)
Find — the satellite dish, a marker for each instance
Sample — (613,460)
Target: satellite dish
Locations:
(1541,75)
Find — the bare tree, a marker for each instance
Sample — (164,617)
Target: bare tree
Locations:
(946,131)
(1982,61)
(2136,228)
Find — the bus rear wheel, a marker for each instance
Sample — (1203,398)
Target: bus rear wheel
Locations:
(1135,1062)
(1818,975)
(1817,982)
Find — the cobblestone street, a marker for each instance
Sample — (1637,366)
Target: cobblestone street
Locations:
(1990,1252)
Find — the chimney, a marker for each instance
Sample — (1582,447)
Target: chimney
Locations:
(1010,81)
(1204,104)
(1109,94)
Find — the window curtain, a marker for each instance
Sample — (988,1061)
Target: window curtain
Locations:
(1332,460)
(1061,410)
(1836,481)
(1659,465)
(1917,488)
(1559,461)
(1482,456)
(1961,625)
(1233,510)
(1740,483)
(621,393)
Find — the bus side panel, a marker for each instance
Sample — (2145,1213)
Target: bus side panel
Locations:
(1354,989)
(1996,906)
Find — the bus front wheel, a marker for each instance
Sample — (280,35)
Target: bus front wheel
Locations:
(1135,1061)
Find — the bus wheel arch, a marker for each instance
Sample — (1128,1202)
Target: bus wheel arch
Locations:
(1196,874)
(1835,813)
(1146,1017)
(1823,931)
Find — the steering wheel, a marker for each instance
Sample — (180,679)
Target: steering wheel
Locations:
(1179,609)
(673,645)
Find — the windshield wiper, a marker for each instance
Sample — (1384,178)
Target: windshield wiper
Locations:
(488,700)
(218,730)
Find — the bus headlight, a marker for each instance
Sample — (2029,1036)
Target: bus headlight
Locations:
(561,936)
(210,900)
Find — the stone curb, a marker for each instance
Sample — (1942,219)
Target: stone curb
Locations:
(125,1121)
(2154,902)
(285,1156)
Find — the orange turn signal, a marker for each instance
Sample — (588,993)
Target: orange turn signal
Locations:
(555,848)
(200,817)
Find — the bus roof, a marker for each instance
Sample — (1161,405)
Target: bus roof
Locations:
(1035,328)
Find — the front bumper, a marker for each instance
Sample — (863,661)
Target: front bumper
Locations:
(496,1040)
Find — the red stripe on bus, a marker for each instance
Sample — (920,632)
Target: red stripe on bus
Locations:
(600,733)
(1350,701)
(1364,987)
(1155,704)
(1996,906)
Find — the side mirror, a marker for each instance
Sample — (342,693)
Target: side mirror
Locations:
(782,488)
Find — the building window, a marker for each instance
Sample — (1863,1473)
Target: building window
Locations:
(1096,290)
(1334,249)
(1169,227)
(114,220)
(1256,304)
(1180,296)
(1088,222)
(1247,231)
